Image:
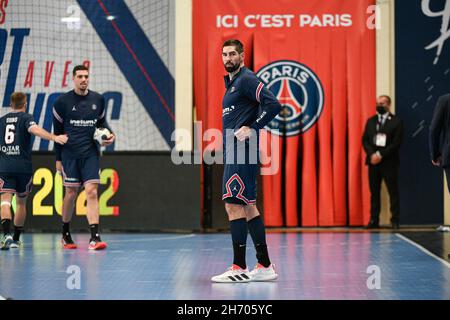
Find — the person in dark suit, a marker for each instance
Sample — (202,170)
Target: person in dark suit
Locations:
(440,136)
(382,138)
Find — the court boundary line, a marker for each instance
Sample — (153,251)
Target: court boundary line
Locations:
(426,251)
(191,235)
(175,237)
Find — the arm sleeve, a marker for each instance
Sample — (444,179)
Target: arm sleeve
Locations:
(368,147)
(58,125)
(29,122)
(256,91)
(101,122)
(397,139)
(436,126)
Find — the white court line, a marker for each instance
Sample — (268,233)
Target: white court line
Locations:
(423,250)
(155,239)
(141,240)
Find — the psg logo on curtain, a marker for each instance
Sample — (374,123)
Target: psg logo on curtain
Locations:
(300,93)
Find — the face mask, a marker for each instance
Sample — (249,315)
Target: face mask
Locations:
(381,109)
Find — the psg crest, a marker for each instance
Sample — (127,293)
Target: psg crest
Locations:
(300,93)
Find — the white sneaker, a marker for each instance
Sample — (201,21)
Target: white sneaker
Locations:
(260,273)
(6,242)
(234,274)
(16,244)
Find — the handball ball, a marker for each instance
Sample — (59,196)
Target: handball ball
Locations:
(101,134)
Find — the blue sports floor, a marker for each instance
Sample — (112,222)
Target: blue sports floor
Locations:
(179,266)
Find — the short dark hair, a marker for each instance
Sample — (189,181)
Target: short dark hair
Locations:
(236,43)
(386,97)
(18,100)
(78,68)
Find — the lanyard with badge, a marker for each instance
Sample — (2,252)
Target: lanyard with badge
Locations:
(380,138)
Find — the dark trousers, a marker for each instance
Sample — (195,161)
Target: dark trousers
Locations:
(389,174)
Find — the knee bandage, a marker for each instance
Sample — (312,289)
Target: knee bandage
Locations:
(5,203)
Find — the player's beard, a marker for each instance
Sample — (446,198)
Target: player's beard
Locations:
(230,67)
(82,89)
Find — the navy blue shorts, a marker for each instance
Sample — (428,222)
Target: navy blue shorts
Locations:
(239,183)
(20,184)
(77,172)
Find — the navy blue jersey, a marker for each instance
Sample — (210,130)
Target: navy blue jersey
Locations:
(243,97)
(247,102)
(78,116)
(15,141)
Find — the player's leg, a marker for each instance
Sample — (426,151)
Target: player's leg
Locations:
(234,207)
(19,219)
(239,232)
(238,272)
(6,213)
(90,168)
(264,270)
(8,185)
(95,243)
(24,187)
(71,182)
(92,203)
(70,196)
(6,217)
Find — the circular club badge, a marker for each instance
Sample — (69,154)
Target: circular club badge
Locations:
(300,93)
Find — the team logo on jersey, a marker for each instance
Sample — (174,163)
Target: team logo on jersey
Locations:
(94,107)
(300,93)
(74,109)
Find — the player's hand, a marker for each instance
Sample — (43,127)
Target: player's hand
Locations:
(61,139)
(243,133)
(59,166)
(375,159)
(109,141)
(437,162)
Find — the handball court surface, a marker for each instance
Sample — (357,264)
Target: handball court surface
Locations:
(172,266)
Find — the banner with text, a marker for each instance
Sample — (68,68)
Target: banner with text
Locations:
(318,58)
(127,45)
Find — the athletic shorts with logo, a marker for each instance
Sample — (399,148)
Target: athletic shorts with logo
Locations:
(78,172)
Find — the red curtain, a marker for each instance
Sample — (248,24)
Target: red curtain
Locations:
(325,180)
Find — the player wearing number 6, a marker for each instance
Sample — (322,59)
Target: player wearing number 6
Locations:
(79,113)
(16,170)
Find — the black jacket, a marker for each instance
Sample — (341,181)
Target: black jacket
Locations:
(440,131)
(393,128)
